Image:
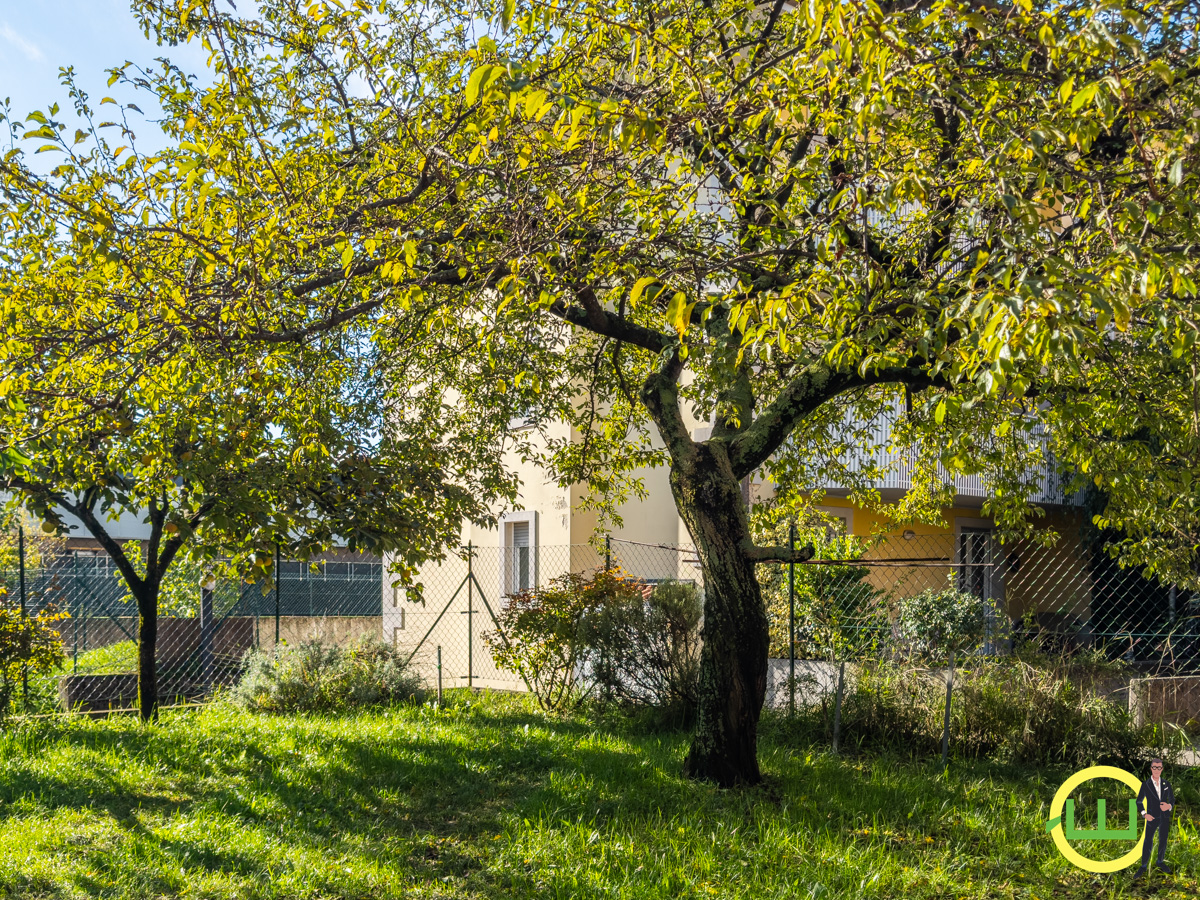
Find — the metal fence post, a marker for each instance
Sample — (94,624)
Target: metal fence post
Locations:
(946,720)
(277,576)
(78,619)
(470,614)
(837,706)
(439,675)
(792,624)
(24,617)
(607,552)
(206,629)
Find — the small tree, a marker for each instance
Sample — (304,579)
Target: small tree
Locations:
(937,623)
(225,457)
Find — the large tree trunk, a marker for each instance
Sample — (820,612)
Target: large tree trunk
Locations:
(147,602)
(733,661)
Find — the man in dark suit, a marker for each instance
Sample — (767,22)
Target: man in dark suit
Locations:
(1156,799)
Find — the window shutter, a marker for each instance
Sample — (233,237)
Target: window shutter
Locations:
(520,534)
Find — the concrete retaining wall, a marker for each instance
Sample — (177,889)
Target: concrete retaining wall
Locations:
(1175,700)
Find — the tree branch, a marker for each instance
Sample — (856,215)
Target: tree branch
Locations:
(777,554)
(814,386)
(660,396)
(595,318)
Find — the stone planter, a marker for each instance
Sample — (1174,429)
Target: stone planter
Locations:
(94,693)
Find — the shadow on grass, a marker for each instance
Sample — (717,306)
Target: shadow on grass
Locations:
(320,787)
(425,790)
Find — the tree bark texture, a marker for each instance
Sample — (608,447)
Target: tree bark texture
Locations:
(733,661)
(147,601)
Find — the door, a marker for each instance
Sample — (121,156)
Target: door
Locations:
(978,574)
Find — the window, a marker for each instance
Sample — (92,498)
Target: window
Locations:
(525,418)
(978,555)
(518,550)
(975,557)
(520,556)
(838,521)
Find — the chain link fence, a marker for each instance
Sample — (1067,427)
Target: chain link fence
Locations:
(203,634)
(834,619)
(1063,633)
(444,635)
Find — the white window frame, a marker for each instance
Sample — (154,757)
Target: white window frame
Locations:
(507,575)
(995,599)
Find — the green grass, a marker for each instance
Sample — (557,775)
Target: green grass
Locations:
(487,798)
(109,660)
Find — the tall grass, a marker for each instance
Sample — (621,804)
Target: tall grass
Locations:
(486,797)
(1006,709)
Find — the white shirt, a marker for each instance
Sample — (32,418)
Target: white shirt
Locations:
(1157,789)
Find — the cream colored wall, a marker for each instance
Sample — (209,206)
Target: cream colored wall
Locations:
(562,540)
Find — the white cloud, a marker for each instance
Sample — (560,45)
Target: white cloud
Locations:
(28,48)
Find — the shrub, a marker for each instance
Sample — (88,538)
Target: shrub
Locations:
(645,651)
(540,634)
(29,645)
(605,634)
(935,623)
(314,677)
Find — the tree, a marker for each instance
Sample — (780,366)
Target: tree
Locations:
(637,217)
(226,455)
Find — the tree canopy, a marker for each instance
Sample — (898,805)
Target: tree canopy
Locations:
(779,218)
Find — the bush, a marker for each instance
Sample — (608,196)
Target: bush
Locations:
(935,623)
(540,634)
(312,677)
(645,651)
(29,645)
(604,635)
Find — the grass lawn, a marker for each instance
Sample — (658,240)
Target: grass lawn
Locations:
(487,798)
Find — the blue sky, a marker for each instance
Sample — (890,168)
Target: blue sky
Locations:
(39,36)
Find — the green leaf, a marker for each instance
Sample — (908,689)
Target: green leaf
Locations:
(476,83)
(677,312)
(639,288)
(1084,96)
(1176,173)
(1064,89)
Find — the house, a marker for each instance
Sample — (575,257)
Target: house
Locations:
(1024,586)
